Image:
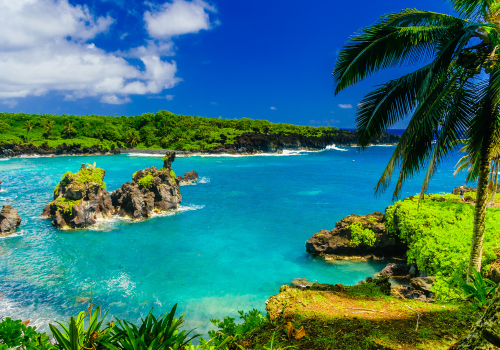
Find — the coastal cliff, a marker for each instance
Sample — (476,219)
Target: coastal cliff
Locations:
(247,143)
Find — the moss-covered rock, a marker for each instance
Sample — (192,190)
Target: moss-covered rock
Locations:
(80,199)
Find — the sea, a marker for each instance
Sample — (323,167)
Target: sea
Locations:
(239,235)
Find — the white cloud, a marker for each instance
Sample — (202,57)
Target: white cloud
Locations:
(177,18)
(115,100)
(345,106)
(46,45)
(274,108)
(9,103)
(169,97)
(213,103)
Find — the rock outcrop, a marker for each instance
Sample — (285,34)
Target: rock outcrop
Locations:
(188,178)
(151,191)
(80,199)
(9,150)
(343,241)
(9,220)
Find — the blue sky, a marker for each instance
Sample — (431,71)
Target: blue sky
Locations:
(256,59)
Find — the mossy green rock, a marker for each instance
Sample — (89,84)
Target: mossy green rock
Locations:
(80,199)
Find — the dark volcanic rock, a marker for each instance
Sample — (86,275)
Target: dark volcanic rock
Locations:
(396,270)
(151,191)
(188,178)
(9,150)
(259,142)
(80,199)
(9,220)
(338,241)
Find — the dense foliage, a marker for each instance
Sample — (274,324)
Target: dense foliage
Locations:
(150,130)
(438,231)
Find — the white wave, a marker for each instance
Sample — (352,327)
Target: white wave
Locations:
(144,155)
(335,148)
(190,207)
(17,233)
(30,156)
(4,158)
(284,154)
(203,180)
(382,146)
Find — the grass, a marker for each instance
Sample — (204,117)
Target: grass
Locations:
(331,321)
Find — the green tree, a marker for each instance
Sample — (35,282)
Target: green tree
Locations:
(133,137)
(4,126)
(454,93)
(68,129)
(28,126)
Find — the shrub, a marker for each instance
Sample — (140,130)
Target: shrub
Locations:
(146,181)
(15,334)
(360,235)
(438,231)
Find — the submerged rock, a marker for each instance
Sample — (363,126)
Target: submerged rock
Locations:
(151,191)
(188,178)
(9,220)
(80,199)
(341,240)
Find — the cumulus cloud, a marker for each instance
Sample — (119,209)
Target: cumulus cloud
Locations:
(274,108)
(169,97)
(9,103)
(178,17)
(46,45)
(345,106)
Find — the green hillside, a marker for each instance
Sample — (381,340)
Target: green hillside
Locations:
(159,130)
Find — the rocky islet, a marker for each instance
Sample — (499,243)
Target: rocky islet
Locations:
(9,220)
(81,199)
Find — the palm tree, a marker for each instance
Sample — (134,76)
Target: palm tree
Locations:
(28,126)
(454,93)
(68,129)
(133,137)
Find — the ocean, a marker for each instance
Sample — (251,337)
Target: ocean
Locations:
(239,236)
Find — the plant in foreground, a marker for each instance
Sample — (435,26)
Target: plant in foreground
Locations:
(16,334)
(481,289)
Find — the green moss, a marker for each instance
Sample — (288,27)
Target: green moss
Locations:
(66,205)
(360,235)
(172,175)
(146,181)
(56,190)
(84,176)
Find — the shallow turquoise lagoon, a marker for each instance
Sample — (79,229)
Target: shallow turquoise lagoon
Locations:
(240,234)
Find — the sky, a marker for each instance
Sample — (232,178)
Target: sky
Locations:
(257,59)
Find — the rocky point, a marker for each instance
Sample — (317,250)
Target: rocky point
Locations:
(80,199)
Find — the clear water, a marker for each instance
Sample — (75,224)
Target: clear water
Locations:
(240,234)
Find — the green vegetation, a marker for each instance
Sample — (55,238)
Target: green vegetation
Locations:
(452,93)
(360,235)
(65,205)
(89,174)
(15,334)
(146,181)
(172,175)
(151,130)
(437,231)
(481,290)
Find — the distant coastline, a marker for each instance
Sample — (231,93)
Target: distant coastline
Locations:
(245,144)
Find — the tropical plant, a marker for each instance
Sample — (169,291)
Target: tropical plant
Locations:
(481,289)
(455,93)
(4,126)
(75,335)
(16,334)
(28,126)
(133,138)
(154,333)
(68,129)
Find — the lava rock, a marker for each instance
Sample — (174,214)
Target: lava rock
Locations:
(396,270)
(80,199)
(9,220)
(151,191)
(423,284)
(188,178)
(338,241)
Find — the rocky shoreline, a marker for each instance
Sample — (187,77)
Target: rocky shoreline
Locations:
(245,144)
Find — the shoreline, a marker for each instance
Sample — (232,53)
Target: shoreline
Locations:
(184,154)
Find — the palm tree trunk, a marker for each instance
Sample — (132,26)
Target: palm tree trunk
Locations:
(476,251)
(495,183)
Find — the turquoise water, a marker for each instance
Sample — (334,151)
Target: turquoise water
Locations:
(239,236)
